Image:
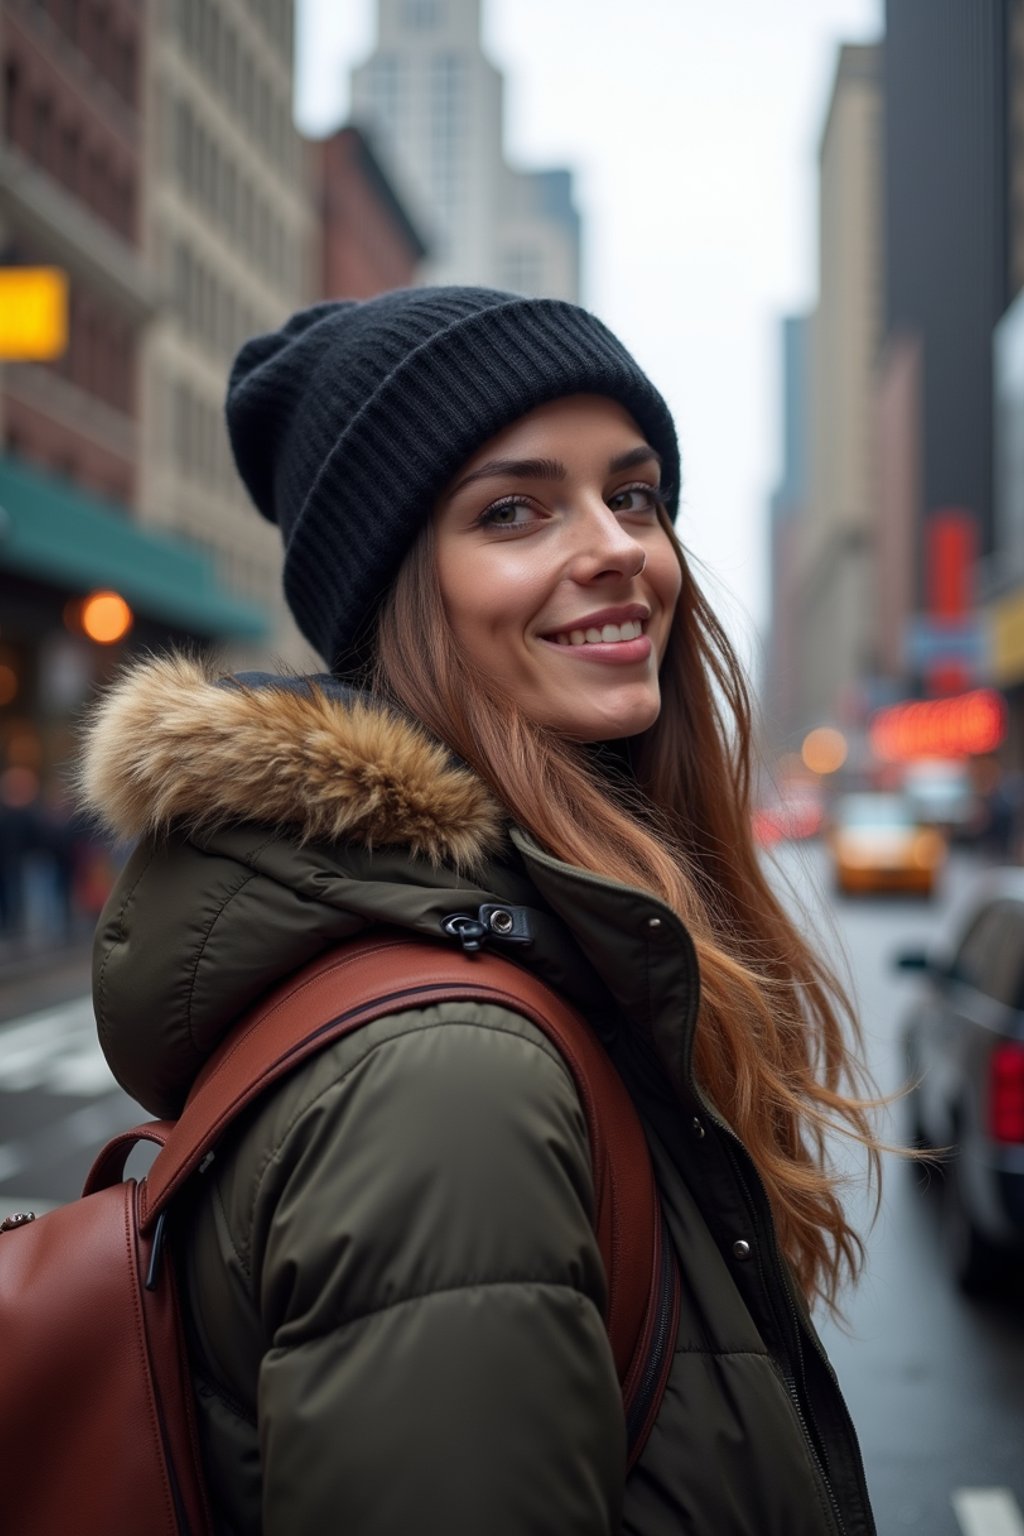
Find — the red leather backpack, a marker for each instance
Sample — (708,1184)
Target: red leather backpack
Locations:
(96,1410)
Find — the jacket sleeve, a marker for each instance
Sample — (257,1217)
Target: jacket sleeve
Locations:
(431,1294)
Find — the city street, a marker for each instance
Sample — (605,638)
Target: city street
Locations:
(935,1384)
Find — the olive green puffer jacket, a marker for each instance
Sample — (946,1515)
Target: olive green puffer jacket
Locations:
(394,1290)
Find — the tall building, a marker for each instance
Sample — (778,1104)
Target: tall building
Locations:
(1015,141)
(788,509)
(946,255)
(228,224)
(70,194)
(74,116)
(952,199)
(435,103)
(834,622)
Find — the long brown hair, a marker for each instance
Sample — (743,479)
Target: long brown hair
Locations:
(773,1042)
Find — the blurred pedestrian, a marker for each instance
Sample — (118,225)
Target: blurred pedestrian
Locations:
(1000,833)
(394,1290)
(20,840)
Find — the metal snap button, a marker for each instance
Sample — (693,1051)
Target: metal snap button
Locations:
(19,1219)
(697,1127)
(741,1249)
(654,923)
(501,921)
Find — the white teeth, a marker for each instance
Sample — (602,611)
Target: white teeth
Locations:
(608,635)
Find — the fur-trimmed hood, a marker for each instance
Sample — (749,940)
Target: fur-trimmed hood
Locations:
(278,817)
(173,743)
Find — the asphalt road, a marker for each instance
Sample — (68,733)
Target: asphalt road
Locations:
(935,1384)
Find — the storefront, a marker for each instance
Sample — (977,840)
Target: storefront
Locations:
(59,548)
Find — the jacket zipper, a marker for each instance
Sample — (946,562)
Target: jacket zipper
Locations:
(585,877)
(786,1372)
(649,1061)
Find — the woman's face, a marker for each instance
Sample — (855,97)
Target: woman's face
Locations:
(557,576)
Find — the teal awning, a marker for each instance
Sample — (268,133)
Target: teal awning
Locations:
(52,530)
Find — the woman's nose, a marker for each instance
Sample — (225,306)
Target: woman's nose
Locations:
(606,547)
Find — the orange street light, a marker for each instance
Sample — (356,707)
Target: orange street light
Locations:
(824,750)
(106,617)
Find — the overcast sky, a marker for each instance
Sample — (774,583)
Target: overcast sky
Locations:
(693,127)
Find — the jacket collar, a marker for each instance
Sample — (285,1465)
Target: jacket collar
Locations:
(174,746)
(174,743)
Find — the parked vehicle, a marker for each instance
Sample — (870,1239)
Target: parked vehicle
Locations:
(963,1041)
(878,844)
(942,795)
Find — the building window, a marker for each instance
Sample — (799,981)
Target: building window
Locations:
(422,15)
(42,132)
(215,47)
(128,71)
(386,95)
(183,282)
(248,88)
(98,51)
(230,189)
(263,110)
(184,144)
(12,101)
(188,24)
(127,207)
(71,150)
(522,269)
(180,425)
(447,128)
(231,66)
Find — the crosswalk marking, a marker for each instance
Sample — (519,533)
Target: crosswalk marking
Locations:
(988,1512)
(85,1129)
(55,1050)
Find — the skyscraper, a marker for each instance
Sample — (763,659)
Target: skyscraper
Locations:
(435,104)
(835,617)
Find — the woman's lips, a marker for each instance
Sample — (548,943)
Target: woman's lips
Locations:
(620,653)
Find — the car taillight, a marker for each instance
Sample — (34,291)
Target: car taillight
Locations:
(1006,1097)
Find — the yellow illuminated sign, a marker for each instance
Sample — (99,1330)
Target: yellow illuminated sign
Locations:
(1007,618)
(33,313)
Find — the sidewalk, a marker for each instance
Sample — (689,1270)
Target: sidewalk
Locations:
(37,974)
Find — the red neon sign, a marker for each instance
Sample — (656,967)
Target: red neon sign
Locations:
(963,726)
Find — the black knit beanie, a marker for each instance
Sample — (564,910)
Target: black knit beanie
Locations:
(348,422)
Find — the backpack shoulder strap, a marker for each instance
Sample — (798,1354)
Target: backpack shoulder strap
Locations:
(370,978)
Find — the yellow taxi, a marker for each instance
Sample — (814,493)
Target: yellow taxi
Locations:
(878,844)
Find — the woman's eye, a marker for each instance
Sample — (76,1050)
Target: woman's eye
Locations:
(506,514)
(635,498)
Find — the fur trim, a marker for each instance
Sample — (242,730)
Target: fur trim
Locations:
(170,744)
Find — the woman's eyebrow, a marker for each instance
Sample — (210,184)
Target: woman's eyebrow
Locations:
(645,454)
(549,469)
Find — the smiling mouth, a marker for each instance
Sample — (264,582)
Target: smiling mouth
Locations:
(606,634)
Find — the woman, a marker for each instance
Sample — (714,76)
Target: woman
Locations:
(392,1277)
